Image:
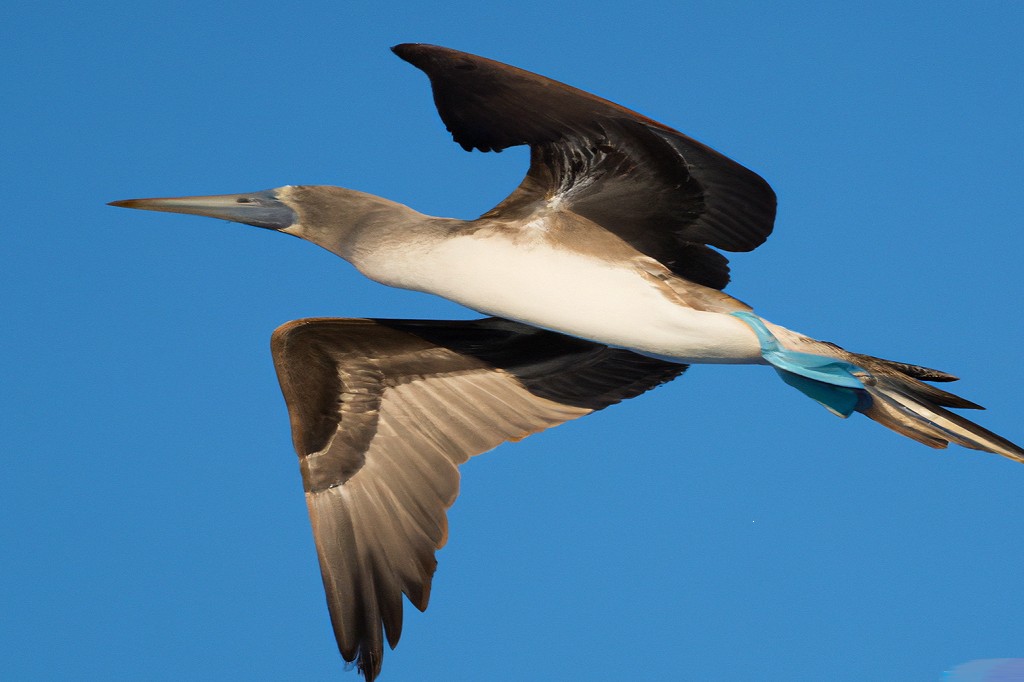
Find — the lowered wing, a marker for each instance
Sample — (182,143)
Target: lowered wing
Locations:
(382,414)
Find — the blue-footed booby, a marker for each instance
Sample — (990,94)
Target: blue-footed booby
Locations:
(602,278)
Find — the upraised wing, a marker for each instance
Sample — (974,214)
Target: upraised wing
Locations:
(383,412)
(666,194)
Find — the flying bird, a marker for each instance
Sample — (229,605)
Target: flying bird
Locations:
(602,276)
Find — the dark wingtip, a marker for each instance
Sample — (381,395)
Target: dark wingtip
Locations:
(414,53)
(432,58)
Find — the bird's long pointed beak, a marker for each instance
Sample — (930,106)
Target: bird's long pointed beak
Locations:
(261,209)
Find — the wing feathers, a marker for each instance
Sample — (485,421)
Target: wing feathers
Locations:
(384,411)
(655,188)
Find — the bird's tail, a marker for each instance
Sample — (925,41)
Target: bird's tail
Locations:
(896,397)
(894,394)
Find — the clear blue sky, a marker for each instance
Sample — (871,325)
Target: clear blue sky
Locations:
(721,528)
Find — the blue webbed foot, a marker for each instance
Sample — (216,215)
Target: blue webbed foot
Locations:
(832,383)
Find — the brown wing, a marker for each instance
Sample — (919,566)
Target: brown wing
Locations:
(383,412)
(665,193)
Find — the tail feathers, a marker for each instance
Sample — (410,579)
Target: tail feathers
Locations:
(912,378)
(899,401)
(915,371)
(891,393)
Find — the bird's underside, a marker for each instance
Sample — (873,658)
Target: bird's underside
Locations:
(384,411)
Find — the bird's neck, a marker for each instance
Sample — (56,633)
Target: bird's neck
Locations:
(366,230)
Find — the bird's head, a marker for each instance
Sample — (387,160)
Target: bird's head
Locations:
(343,221)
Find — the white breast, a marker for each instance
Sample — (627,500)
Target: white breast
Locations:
(531,281)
